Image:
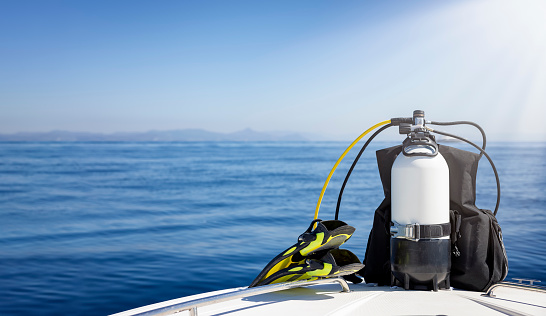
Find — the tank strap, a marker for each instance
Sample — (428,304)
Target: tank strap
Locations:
(416,231)
(435,231)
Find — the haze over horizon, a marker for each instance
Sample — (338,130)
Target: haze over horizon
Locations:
(309,67)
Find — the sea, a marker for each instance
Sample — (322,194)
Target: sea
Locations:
(95,228)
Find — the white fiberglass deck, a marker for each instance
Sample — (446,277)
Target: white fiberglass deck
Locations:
(364,299)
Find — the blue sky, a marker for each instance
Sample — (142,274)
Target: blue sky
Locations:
(322,67)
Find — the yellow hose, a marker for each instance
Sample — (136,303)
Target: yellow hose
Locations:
(341,158)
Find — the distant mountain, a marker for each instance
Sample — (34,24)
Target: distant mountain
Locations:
(251,135)
(151,136)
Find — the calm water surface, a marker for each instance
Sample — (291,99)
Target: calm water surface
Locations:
(97,228)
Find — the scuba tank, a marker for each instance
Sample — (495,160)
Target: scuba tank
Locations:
(420,245)
(427,232)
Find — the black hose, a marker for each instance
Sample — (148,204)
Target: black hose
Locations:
(486,156)
(354,164)
(467,123)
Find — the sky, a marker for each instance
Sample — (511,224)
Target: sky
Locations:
(315,67)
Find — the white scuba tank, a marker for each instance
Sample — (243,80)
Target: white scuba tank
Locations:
(420,188)
(420,247)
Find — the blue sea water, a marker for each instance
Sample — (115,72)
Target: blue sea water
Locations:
(98,228)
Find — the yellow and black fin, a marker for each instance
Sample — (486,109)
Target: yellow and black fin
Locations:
(327,235)
(319,268)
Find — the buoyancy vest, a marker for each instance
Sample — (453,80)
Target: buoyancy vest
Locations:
(478,254)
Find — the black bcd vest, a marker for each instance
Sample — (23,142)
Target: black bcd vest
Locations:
(478,257)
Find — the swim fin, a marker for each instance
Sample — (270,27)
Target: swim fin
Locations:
(327,235)
(332,263)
